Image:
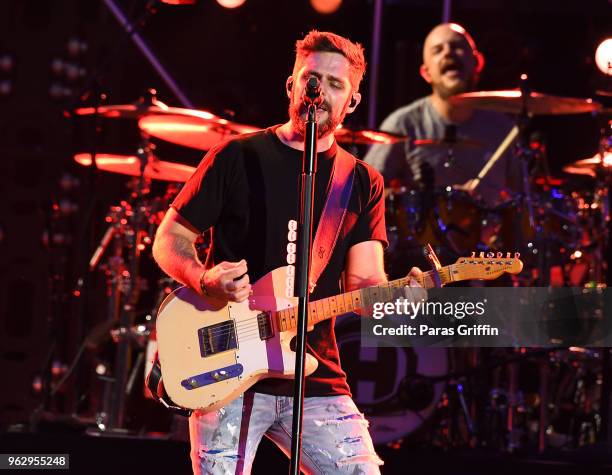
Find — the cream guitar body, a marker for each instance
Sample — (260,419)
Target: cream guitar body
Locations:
(186,321)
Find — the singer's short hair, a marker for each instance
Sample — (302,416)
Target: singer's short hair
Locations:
(327,42)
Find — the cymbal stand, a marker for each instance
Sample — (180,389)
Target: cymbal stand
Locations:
(120,286)
(123,292)
(126,312)
(450,137)
(525,155)
(605,245)
(523,150)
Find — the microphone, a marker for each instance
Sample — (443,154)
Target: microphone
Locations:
(313,91)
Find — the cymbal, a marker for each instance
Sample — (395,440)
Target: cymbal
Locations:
(138,109)
(459,143)
(591,166)
(192,128)
(367,136)
(511,102)
(130,165)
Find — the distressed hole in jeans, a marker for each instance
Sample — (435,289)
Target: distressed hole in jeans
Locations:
(218,455)
(218,461)
(359,459)
(353,418)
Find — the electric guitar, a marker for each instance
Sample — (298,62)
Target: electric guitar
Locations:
(211,351)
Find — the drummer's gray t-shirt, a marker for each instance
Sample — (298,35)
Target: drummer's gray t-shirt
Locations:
(420,120)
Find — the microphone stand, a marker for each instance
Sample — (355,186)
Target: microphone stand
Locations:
(307,188)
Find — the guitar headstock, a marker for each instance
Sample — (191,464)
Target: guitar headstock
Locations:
(487,266)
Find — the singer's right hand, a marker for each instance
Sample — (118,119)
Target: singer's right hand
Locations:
(220,281)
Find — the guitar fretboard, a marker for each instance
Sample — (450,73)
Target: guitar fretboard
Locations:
(329,307)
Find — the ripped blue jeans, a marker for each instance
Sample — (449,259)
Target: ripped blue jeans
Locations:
(335,438)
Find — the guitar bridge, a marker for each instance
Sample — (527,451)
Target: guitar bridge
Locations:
(217,338)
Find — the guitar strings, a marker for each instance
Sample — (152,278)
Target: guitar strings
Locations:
(247,329)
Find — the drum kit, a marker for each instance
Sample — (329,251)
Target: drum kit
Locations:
(552,220)
(498,398)
(429,384)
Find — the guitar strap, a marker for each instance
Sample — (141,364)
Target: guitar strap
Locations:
(332,217)
(330,225)
(155,384)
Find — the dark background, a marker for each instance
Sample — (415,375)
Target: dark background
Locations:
(224,60)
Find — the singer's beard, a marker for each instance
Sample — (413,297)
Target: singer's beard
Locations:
(298,112)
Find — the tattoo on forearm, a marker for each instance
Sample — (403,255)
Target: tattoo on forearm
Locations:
(177,256)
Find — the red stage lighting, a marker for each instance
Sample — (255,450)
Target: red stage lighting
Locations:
(326,6)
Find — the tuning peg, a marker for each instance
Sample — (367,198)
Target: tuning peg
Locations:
(473,254)
(482,254)
(508,255)
(490,255)
(500,255)
(517,255)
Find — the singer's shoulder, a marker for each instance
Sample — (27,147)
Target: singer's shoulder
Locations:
(368,171)
(235,144)
(238,140)
(365,173)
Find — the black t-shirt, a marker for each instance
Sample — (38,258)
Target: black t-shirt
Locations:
(247,190)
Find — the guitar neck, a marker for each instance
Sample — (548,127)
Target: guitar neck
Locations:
(329,307)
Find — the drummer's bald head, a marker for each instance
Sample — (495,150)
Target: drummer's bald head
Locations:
(453,27)
(449,47)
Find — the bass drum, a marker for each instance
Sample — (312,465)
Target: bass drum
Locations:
(391,386)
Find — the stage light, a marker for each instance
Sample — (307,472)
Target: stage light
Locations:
(76,47)
(326,6)
(6,87)
(7,63)
(230,3)
(57,66)
(603,56)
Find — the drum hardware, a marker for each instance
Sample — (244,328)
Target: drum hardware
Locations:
(456,425)
(132,225)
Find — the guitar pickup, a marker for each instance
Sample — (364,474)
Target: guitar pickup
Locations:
(211,377)
(264,324)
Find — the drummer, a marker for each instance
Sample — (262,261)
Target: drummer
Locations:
(463,138)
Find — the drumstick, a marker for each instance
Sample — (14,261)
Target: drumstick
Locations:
(498,153)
